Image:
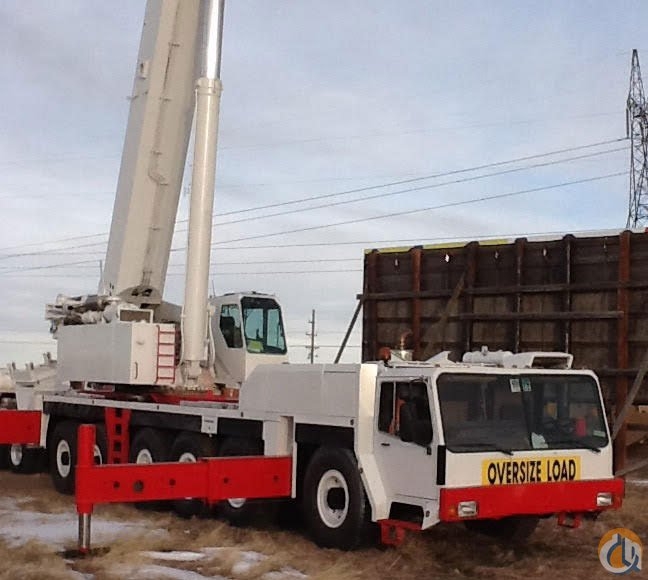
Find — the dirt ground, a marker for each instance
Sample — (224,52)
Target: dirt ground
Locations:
(443,552)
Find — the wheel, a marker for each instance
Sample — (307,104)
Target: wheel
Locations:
(514,528)
(63,454)
(240,511)
(150,446)
(189,447)
(4,456)
(24,459)
(335,506)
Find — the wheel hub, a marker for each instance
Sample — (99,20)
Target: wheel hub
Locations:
(333,498)
(63,458)
(144,456)
(16,454)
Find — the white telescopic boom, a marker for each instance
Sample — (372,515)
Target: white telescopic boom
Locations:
(208,93)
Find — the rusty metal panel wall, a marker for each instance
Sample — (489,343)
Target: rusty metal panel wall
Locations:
(584,295)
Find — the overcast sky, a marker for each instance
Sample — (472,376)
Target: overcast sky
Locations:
(319,98)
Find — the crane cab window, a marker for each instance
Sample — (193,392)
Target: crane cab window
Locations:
(262,326)
(405,411)
(230,325)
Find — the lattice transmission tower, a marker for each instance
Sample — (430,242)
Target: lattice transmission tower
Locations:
(637,131)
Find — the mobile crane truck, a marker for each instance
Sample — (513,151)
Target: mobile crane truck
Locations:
(496,441)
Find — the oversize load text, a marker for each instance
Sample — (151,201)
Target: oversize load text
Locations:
(540,470)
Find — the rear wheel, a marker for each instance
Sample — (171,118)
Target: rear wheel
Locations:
(24,459)
(335,506)
(150,446)
(189,447)
(63,454)
(240,511)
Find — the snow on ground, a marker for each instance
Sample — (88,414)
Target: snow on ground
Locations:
(59,530)
(163,572)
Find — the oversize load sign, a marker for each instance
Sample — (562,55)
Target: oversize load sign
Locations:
(530,470)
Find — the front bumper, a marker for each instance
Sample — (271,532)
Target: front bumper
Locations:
(500,501)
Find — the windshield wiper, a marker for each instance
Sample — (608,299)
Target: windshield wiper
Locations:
(580,444)
(493,446)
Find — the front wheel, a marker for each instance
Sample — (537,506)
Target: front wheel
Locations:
(335,506)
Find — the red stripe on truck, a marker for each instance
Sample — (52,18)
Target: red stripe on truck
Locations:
(499,501)
(20,427)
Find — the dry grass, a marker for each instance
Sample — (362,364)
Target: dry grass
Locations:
(443,552)
(31,561)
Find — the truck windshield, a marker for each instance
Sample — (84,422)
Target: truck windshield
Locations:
(517,413)
(262,326)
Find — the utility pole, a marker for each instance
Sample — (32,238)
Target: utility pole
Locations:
(312,348)
(637,132)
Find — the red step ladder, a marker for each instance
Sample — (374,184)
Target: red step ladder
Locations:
(117,433)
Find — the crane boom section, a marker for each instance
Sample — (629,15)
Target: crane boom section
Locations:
(155,147)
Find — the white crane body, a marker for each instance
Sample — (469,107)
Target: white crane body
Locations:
(496,439)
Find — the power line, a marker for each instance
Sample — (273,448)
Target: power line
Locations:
(324,196)
(173,274)
(424,177)
(410,212)
(367,243)
(420,210)
(409,190)
(213,264)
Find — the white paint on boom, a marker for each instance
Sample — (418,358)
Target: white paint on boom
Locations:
(208,92)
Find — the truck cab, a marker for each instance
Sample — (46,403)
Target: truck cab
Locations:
(500,442)
(496,441)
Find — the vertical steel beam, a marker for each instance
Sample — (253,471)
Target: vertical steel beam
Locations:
(370,345)
(520,246)
(567,299)
(623,304)
(471,275)
(416,301)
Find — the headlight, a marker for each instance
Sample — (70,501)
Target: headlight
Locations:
(467,509)
(604,499)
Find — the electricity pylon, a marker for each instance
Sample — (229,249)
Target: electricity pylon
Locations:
(637,131)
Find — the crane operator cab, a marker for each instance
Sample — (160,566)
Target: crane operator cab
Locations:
(246,330)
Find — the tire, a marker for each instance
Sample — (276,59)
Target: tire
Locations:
(63,456)
(240,511)
(335,507)
(190,446)
(150,446)
(4,456)
(516,529)
(24,459)
(101,446)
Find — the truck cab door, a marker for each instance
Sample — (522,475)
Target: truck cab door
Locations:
(405,444)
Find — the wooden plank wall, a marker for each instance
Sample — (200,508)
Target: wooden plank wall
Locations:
(584,295)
